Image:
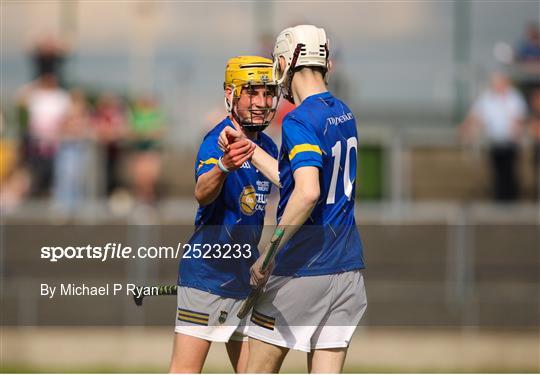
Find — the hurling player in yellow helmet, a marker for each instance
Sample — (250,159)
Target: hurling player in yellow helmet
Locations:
(250,92)
(232,194)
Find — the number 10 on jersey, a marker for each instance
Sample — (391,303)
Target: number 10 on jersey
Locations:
(352,143)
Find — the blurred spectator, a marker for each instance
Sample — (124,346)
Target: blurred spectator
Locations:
(528,49)
(14,179)
(48,57)
(8,153)
(15,188)
(72,159)
(534,123)
(110,125)
(147,125)
(47,106)
(499,111)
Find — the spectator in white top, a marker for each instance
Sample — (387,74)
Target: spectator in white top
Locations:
(500,112)
(47,105)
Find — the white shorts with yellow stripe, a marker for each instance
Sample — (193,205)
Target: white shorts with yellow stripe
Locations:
(209,316)
(312,312)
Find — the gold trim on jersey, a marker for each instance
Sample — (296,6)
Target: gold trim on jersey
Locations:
(305,147)
(207,161)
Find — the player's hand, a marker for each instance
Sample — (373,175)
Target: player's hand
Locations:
(258,276)
(228,136)
(239,152)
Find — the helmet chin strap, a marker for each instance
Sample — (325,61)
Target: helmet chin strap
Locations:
(256,128)
(287,93)
(249,126)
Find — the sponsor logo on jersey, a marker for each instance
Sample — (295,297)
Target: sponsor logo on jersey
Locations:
(248,200)
(336,120)
(251,201)
(263,186)
(246,165)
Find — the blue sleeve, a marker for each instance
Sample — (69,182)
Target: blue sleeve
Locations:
(208,156)
(301,143)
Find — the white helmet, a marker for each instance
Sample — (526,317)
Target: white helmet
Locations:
(303,45)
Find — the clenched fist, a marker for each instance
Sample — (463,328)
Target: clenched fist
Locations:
(228,136)
(238,152)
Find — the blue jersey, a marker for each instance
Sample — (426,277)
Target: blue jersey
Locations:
(228,230)
(321,132)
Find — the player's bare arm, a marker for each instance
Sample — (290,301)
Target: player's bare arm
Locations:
(209,184)
(303,199)
(266,164)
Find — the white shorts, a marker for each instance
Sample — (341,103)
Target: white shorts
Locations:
(312,312)
(209,316)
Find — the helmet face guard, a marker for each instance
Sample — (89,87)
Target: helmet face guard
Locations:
(249,123)
(244,75)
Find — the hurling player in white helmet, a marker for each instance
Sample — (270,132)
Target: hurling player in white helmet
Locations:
(315,296)
(214,272)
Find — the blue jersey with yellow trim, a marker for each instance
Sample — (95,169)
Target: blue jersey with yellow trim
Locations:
(228,230)
(321,132)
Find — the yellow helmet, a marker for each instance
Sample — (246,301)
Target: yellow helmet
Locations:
(245,71)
